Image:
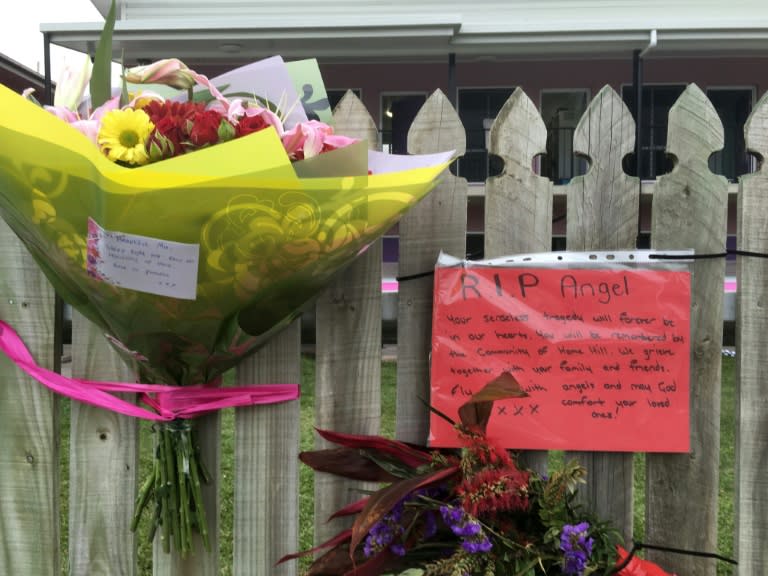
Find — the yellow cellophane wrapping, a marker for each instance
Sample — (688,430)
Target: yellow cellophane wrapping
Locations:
(269,240)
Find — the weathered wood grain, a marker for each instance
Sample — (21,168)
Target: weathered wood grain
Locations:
(689,211)
(348,349)
(751,500)
(438,223)
(266,510)
(518,203)
(103,464)
(29,478)
(603,208)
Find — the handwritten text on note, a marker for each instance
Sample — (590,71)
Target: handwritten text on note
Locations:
(603,354)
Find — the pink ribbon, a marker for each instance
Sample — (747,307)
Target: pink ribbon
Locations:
(169,402)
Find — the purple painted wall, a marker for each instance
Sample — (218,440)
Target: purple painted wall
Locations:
(534,76)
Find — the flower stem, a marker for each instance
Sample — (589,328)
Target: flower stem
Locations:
(174,487)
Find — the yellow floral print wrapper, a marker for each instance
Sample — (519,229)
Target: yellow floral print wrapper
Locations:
(266,240)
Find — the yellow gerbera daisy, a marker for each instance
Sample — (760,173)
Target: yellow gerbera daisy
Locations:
(123,135)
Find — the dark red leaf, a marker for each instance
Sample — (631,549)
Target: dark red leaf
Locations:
(350,509)
(380,503)
(375,566)
(332,563)
(340,538)
(409,455)
(476,411)
(347,462)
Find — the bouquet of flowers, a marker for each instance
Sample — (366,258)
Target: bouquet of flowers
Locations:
(190,227)
(467,512)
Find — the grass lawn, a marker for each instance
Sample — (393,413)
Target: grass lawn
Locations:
(306,497)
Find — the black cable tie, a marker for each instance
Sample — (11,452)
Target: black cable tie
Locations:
(414,276)
(641,545)
(655,256)
(687,256)
(748,253)
(729,251)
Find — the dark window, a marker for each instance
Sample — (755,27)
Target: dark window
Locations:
(561,112)
(657,100)
(478,108)
(398,113)
(733,106)
(475,246)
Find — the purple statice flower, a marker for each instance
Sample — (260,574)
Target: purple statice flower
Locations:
(466,527)
(477,544)
(576,548)
(386,533)
(430,524)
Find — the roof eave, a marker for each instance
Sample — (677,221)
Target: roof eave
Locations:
(392,37)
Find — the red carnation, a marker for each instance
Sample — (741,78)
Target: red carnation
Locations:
(204,129)
(171,120)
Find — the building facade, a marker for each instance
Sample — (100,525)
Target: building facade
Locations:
(560,52)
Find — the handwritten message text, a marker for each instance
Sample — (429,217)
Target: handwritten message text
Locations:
(604,355)
(143,263)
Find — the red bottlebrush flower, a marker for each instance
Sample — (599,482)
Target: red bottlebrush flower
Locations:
(491,491)
(486,451)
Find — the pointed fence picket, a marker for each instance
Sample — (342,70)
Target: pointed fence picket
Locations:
(751,500)
(690,210)
(348,349)
(29,473)
(518,203)
(103,464)
(603,214)
(681,492)
(438,223)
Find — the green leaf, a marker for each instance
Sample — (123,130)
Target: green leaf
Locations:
(204,95)
(101,77)
(124,90)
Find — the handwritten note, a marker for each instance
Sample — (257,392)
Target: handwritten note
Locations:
(143,263)
(603,354)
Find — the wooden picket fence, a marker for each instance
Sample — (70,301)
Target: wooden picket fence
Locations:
(689,211)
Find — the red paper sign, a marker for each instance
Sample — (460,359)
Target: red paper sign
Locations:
(603,354)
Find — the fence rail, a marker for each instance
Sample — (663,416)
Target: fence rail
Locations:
(689,211)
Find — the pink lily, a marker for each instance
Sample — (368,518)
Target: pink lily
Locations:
(308,139)
(169,72)
(71,85)
(203,80)
(88,126)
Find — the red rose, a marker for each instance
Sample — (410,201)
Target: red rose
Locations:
(250,124)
